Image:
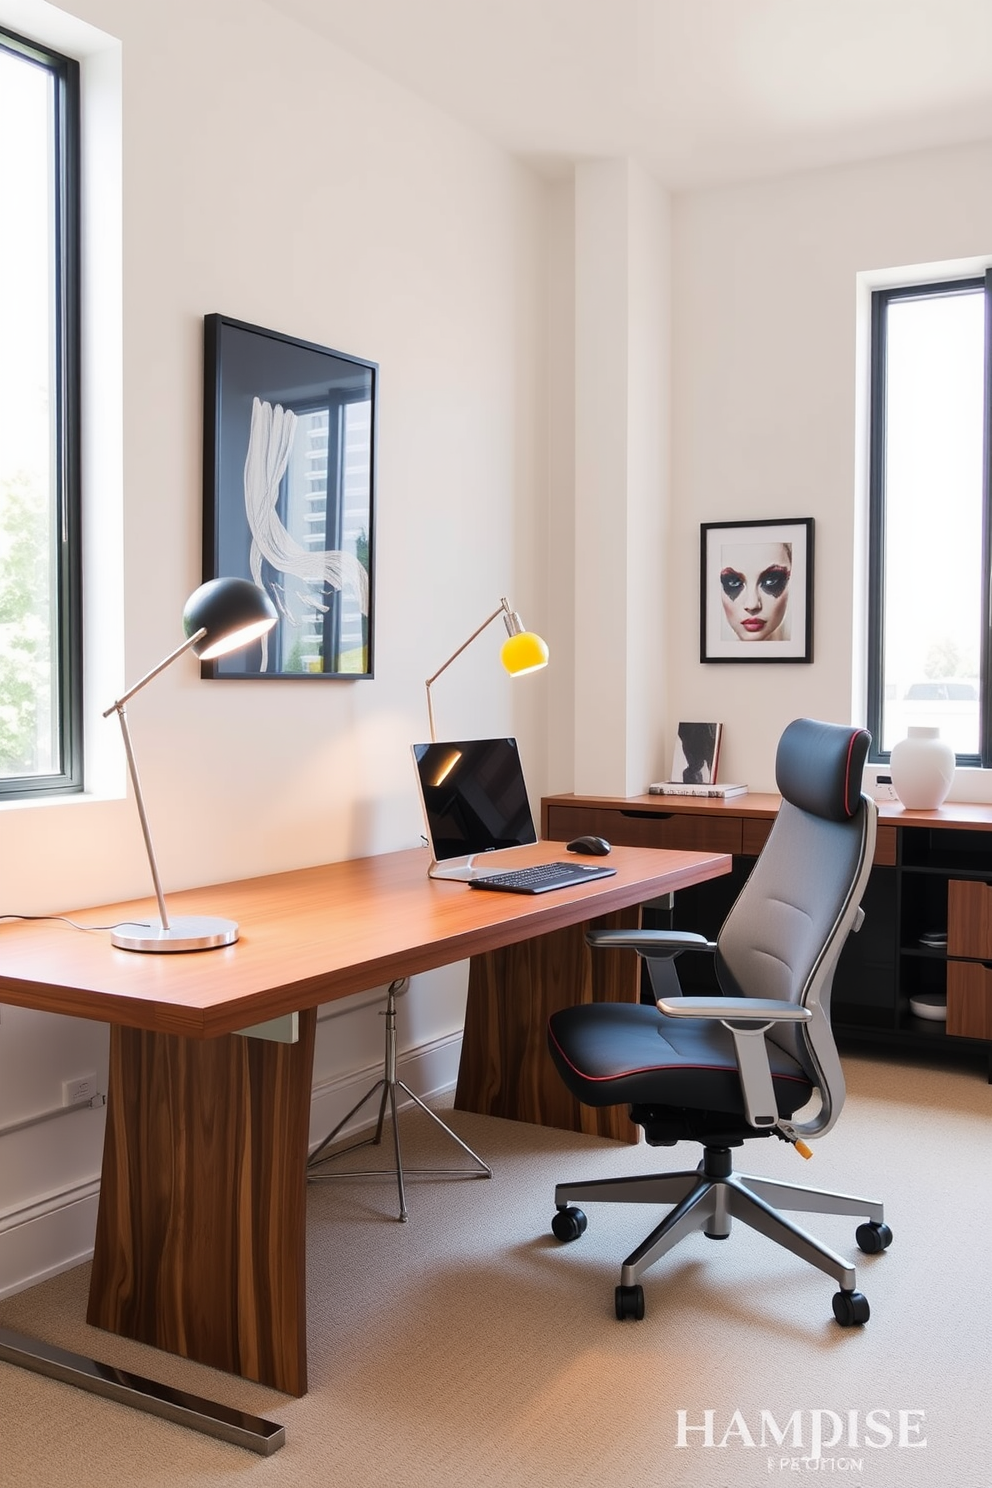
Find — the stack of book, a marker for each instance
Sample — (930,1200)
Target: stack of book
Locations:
(680,788)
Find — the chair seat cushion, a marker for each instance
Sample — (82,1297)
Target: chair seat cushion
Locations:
(614,1054)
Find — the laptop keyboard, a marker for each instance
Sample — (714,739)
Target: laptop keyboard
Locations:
(541,878)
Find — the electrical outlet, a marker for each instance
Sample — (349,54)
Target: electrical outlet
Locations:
(79,1092)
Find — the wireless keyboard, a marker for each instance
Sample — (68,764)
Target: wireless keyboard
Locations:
(541,878)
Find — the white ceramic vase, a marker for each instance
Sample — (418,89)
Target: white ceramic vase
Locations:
(922,769)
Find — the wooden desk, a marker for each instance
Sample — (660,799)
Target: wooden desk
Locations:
(200,1242)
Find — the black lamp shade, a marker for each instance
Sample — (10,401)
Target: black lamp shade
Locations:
(232,612)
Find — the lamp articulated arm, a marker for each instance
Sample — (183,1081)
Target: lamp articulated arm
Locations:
(221,616)
(523,651)
(173,656)
(504,608)
(119,707)
(139,801)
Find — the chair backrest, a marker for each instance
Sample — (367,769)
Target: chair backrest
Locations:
(789,923)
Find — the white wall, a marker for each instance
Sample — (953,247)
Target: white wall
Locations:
(769,290)
(621,396)
(270,177)
(768,371)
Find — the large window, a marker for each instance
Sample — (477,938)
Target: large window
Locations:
(40,631)
(929,653)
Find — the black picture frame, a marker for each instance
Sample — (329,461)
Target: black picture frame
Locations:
(747,570)
(289,441)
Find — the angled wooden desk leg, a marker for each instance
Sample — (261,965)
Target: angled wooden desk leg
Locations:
(505,1067)
(201,1230)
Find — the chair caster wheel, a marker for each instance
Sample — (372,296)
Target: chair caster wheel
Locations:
(873,1237)
(851,1309)
(629,1302)
(568,1224)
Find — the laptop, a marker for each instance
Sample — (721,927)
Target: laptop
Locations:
(475,802)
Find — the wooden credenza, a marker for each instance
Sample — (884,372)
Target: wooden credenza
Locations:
(932,875)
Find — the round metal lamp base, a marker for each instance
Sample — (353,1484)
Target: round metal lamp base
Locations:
(185,933)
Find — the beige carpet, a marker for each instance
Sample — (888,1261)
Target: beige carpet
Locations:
(468,1347)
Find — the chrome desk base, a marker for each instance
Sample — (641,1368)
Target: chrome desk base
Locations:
(389,1085)
(244,1430)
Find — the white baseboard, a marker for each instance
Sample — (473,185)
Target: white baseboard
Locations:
(58,1233)
(53,1237)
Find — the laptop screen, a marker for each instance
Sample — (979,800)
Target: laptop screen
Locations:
(474,797)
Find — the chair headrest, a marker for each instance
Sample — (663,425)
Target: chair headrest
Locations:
(819,767)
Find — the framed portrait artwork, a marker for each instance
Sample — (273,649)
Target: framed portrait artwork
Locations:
(289,433)
(756,590)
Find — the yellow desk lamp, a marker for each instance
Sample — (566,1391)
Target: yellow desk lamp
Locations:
(522,651)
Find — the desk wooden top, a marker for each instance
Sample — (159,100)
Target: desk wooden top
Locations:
(309,936)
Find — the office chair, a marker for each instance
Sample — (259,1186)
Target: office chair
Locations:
(388,1083)
(725,1069)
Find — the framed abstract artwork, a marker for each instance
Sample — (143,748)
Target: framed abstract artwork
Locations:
(289,432)
(756,590)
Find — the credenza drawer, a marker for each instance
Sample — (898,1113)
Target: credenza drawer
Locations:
(969,918)
(886,839)
(688,830)
(646,829)
(755,831)
(969,999)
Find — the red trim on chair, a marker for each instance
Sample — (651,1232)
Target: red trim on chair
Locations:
(644,1069)
(847,772)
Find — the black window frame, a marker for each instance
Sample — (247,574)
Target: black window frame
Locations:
(67,505)
(880,301)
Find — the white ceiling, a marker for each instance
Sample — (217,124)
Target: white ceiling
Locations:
(699,91)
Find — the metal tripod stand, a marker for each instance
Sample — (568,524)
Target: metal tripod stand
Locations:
(389,1085)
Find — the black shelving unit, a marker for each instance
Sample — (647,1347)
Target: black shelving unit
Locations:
(890,961)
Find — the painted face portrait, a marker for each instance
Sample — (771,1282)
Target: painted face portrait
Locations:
(754,580)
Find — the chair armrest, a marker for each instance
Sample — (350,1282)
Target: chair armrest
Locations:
(747,1019)
(658,948)
(650,942)
(739,1009)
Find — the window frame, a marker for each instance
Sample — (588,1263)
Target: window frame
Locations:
(66,546)
(881,298)
(334,403)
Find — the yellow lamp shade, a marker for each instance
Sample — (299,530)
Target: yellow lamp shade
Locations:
(524,652)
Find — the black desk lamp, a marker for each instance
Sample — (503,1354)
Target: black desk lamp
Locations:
(221,616)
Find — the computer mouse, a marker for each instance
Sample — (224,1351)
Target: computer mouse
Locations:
(597,846)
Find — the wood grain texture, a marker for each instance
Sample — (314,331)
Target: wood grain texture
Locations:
(969,919)
(739,824)
(694,831)
(505,1067)
(308,937)
(969,1000)
(754,835)
(759,804)
(886,846)
(200,1231)
(200,1244)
